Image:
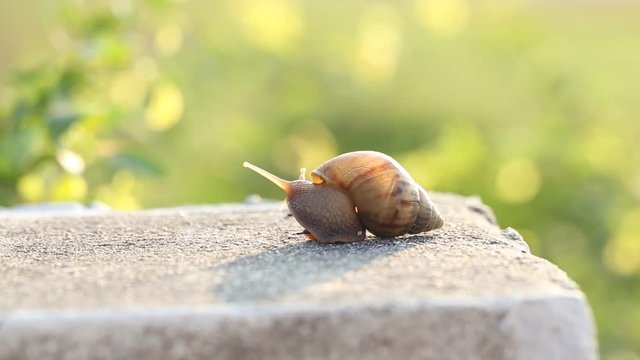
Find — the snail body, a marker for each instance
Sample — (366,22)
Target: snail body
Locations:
(356,191)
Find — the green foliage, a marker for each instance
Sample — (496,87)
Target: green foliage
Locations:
(532,107)
(68,130)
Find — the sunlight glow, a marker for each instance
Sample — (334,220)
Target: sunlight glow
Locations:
(168,40)
(31,187)
(165,107)
(271,24)
(518,181)
(70,161)
(69,187)
(127,89)
(622,253)
(119,194)
(379,46)
(443,17)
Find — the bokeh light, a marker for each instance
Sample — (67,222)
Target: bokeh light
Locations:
(622,252)
(518,181)
(379,44)
(165,107)
(443,17)
(271,24)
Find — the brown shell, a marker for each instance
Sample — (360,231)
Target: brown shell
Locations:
(389,202)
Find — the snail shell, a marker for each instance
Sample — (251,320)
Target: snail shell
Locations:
(388,201)
(357,191)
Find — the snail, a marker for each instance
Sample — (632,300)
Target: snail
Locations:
(355,192)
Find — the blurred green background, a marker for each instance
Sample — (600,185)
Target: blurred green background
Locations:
(534,106)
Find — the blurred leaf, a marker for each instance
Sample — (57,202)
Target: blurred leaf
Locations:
(72,76)
(102,23)
(66,130)
(165,107)
(69,188)
(108,50)
(20,150)
(19,111)
(137,164)
(60,124)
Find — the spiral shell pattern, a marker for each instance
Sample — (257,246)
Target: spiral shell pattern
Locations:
(388,201)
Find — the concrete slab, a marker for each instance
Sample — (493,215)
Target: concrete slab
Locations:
(237,282)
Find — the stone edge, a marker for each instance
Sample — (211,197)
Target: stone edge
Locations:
(526,329)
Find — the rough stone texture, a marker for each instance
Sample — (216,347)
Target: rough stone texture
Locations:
(237,282)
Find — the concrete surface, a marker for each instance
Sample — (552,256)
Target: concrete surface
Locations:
(237,282)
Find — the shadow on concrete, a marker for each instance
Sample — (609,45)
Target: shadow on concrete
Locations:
(276,273)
